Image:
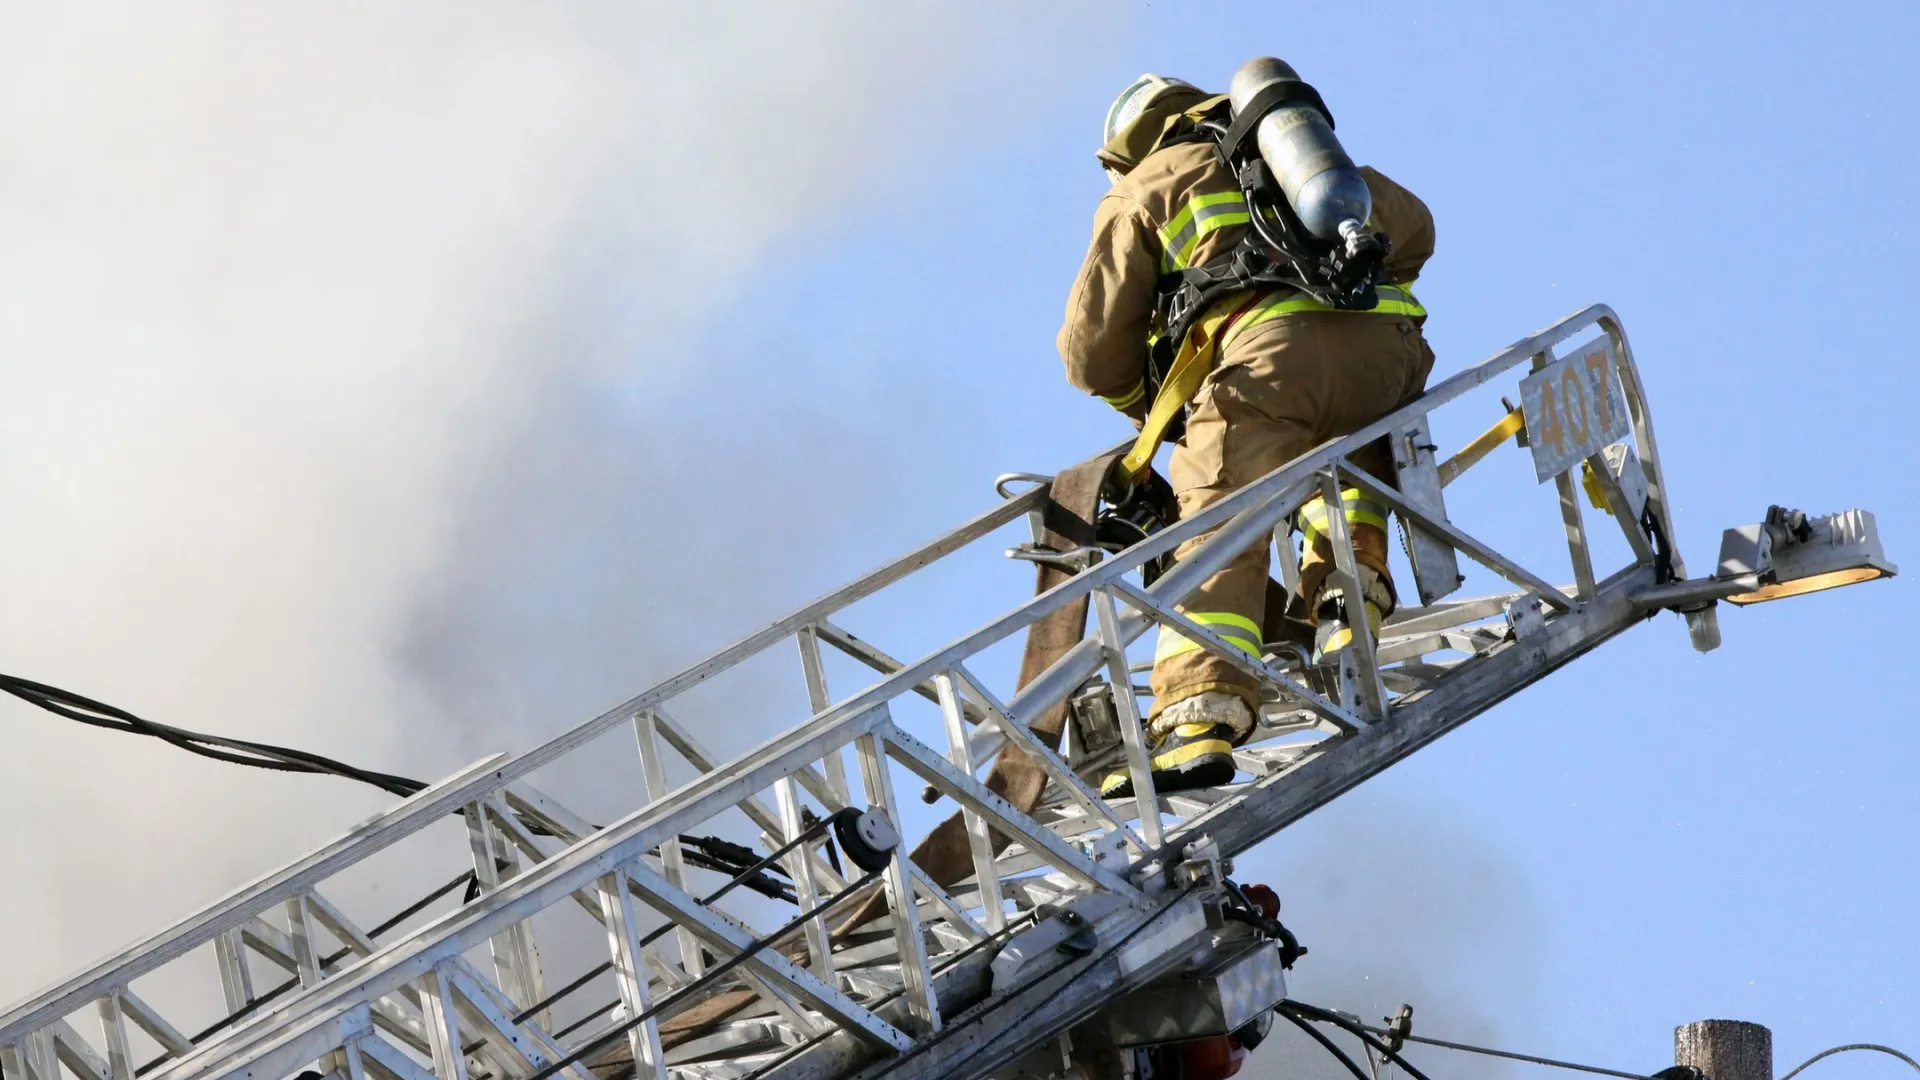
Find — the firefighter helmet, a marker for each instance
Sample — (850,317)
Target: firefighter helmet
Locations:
(1133,101)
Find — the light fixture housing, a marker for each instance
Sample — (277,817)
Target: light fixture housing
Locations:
(1790,554)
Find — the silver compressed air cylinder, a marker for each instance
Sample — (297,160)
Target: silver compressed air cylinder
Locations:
(1319,180)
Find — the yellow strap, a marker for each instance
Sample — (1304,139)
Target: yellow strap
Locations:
(1510,425)
(1190,368)
(1197,353)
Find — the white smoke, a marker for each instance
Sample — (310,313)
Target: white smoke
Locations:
(282,285)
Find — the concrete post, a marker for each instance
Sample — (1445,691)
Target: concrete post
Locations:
(1725,1049)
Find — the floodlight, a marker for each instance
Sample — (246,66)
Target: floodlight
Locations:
(1790,553)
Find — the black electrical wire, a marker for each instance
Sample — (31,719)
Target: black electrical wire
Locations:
(705,852)
(1327,1016)
(756,877)
(257,755)
(1317,1036)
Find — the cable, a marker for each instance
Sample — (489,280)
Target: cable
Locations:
(1852,1046)
(1365,1031)
(1325,1042)
(705,852)
(234,751)
(1511,1056)
(606,1037)
(1358,1031)
(331,958)
(814,829)
(1340,1020)
(882,1001)
(744,867)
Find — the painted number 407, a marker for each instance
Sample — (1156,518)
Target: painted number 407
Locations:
(1574,409)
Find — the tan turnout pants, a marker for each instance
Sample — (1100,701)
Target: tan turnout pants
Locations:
(1284,387)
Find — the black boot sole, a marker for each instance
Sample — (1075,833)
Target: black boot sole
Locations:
(1205,771)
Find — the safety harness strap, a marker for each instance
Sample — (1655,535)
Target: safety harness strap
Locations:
(1190,368)
(1272,96)
(1393,300)
(1220,326)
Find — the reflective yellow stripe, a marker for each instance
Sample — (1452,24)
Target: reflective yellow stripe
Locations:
(1246,635)
(1173,643)
(1201,215)
(1359,511)
(1312,530)
(1394,300)
(1123,400)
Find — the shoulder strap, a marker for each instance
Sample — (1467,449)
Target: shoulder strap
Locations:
(1270,97)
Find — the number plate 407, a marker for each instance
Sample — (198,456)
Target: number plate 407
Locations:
(1574,409)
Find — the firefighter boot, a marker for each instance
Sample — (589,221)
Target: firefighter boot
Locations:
(1332,633)
(1192,745)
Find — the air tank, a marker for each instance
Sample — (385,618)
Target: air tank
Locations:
(1297,143)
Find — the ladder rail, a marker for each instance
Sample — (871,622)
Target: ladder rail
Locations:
(479,781)
(1084,661)
(248,902)
(333,1011)
(1059,1000)
(1258,810)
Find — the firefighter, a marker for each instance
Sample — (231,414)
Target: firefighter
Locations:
(1290,373)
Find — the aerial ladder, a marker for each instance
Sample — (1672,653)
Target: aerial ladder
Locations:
(1084,936)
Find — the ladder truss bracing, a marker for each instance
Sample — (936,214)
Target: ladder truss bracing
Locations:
(1091,900)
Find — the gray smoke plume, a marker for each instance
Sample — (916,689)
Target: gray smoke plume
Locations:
(1398,903)
(308,315)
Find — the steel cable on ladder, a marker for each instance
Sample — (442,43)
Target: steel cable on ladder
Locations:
(812,832)
(606,1038)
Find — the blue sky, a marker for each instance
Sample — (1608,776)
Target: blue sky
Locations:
(1652,836)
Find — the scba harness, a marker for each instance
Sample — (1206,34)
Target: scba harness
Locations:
(1278,251)
(1278,265)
